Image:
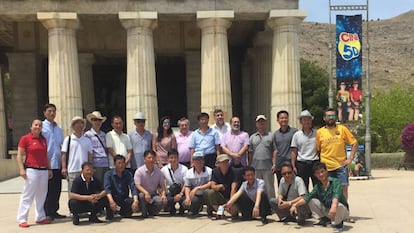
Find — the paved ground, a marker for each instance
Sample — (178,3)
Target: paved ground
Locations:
(382,204)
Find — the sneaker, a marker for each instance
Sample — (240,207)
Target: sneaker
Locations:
(44,221)
(24,224)
(339,227)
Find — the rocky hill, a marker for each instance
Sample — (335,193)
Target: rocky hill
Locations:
(391,49)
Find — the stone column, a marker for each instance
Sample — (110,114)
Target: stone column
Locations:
(23,70)
(86,61)
(141,89)
(248,95)
(64,81)
(286,85)
(193,84)
(3,119)
(215,71)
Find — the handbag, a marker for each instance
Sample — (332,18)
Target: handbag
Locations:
(175,188)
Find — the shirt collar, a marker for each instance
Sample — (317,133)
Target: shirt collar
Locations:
(83,178)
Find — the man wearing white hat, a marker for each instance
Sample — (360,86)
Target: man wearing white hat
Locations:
(141,140)
(76,149)
(303,148)
(98,140)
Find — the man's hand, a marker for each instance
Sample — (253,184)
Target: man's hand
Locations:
(193,191)
(295,170)
(293,210)
(50,174)
(112,204)
(346,163)
(255,212)
(177,197)
(283,205)
(23,174)
(187,201)
(64,172)
(332,212)
(134,206)
(147,197)
(273,168)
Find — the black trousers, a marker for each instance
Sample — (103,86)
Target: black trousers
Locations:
(246,206)
(124,203)
(53,193)
(305,172)
(77,207)
(210,160)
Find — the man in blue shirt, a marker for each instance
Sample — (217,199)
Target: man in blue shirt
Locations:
(118,182)
(54,138)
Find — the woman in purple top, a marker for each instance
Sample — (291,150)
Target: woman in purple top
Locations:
(163,141)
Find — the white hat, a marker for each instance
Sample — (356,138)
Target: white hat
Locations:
(139,116)
(76,119)
(305,113)
(97,115)
(197,155)
(261,117)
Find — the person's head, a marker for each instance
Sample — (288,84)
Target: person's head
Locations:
(330,117)
(117,124)
(202,119)
(286,171)
(184,125)
(49,111)
(87,170)
(342,86)
(119,163)
(149,158)
(198,160)
(319,171)
(222,162)
(36,127)
(164,126)
(78,124)
(283,118)
(355,84)
(235,124)
(139,121)
(96,119)
(261,122)
(249,174)
(219,116)
(173,157)
(306,119)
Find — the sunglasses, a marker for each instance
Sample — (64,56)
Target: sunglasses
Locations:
(96,119)
(330,116)
(286,173)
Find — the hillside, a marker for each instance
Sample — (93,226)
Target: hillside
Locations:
(391,53)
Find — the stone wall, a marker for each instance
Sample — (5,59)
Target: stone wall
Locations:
(8,168)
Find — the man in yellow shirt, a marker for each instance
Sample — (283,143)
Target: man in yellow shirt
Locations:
(331,140)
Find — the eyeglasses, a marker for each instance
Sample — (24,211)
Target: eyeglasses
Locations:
(330,116)
(166,123)
(286,173)
(96,119)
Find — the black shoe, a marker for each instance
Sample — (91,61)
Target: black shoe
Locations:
(57,215)
(322,222)
(94,219)
(264,220)
(75,219)
(288,219)
(301,222)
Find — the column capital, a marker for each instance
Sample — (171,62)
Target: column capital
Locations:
(286,17)
(59,19)
(132,19)
(214,19)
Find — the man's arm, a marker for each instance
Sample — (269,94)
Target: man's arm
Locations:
(217,187)
(233,188)
(64,165)
(293,154)
(274,160)
(249,158)
(233,199)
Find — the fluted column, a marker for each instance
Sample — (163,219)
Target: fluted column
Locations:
(86,61)
(64,81)
(3,122)
(286,85)
(215,71)
(141,89)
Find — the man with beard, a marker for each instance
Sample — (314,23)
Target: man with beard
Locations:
(330,143)
(235,144)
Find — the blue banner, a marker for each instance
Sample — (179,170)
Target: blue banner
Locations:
(348,47)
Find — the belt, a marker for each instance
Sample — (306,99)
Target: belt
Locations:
(307,161)
(38,168)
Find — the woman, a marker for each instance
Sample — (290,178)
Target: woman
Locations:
(35,171)
(163,141)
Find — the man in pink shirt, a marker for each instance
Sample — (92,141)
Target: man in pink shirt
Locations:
(235,144)
(183,138)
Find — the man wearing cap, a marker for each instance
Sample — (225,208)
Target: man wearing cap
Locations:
(54,138)
(197,182)
(183,138)
(261,155)
(282,139)
(141,141)
(223,184)
(235,143)
(220,126)
(205,140)
(118,143)
(76,149)
(303,148)
(98,140)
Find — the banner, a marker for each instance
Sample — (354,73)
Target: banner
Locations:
(348,48)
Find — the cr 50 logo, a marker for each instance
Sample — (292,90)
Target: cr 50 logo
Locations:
(349,45)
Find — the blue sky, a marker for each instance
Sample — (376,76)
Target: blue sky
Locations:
(318,10)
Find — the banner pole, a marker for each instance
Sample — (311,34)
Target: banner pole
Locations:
(368,106)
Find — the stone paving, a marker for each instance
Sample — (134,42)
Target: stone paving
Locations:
(381,204)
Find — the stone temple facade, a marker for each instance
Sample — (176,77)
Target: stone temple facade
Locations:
(161,57)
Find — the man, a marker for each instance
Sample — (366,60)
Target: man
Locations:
(223,184)
(282,139)
(141,140)
(118,184)
(174,174)
(197,182)
(76,149)
(150,182)
(98,140)
(118,142)
(87,195)
(290,191)
(54,138)
(183,138)
(220,126)
(251,198)
(235,143)
(303,148)
(261,155)
(330,143)
(205,140)
(326,201)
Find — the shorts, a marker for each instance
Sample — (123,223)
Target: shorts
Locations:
(341,174)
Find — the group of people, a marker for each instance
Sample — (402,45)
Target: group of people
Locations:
(218,166)
(349,101)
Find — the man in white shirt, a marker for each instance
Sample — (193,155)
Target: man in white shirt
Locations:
(118,143)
